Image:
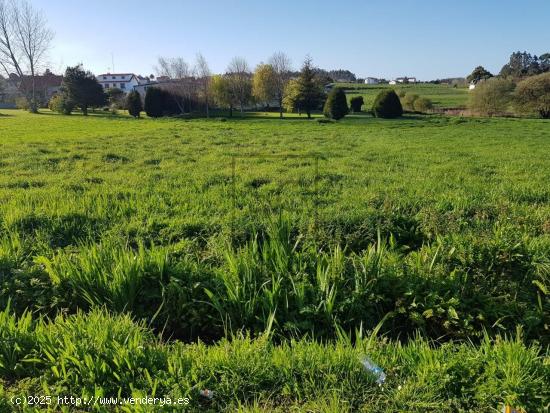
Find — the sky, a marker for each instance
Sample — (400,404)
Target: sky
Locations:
(427,39)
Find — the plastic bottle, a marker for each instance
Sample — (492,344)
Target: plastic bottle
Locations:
(373,369)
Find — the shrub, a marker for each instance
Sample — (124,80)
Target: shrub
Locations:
(387,105)
(422,105)
(356,103)
(61,104)
(491,97)
(336,105)
(153,102)
(21,103)
(401,93)
(533,95)
(133,104)
(408,100)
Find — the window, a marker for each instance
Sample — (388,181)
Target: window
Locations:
(123,85)
(106,85)
(104,77)
(114,77)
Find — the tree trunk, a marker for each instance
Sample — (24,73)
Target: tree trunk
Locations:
(308,114)
(85,110)
(280,107)
(207,113)
(230,111)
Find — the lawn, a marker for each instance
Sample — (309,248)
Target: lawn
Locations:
(442,96)
(261,258)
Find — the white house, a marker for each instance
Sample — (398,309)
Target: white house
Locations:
(393,82)
(371,81)
(122,81)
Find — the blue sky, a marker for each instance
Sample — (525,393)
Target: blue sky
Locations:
(424,38)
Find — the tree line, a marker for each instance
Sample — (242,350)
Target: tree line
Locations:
(522,86)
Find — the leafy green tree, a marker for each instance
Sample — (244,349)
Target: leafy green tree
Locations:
(240,81)
(521,65)
(290,98)
(82,88)
(479,73)
(221,92)
(533,95)
(336,105)
(133,104)
(387,105)
(356,103)
(309,90)
(492,97)
(264,83)
(154,101)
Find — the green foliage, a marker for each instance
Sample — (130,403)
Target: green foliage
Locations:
(356,103)
(478,74)
(115,98)
(60,104)
(154,102)
(492,97)
(133,104)
(264,83)
(401,93)
(532,95)
(21,102)
(308,91)
(408,101)
(336,105)
(422,104)
(82,89)
(387,105)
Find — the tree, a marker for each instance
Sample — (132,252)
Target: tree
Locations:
(180,81)
(204,74)
(387,105)
(59,103)
(290,99)
(240,84)
(479,73)
(521,65)
(533,95)
(82,88)
(133,104)
(281,66)
(336,105)
(491,97)
(24,41)
(221,92)
(310,93)
(263,83)
(356,103)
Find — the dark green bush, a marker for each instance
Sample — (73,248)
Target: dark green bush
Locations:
(387,105)
(356,103)
(153,102)
(336,105)
(133,104)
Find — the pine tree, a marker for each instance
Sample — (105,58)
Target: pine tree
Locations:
(82,88)
(309,92)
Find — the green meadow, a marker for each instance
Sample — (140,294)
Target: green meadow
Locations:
(442,96)
(261,258)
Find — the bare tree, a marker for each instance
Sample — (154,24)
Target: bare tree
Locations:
(180,80)
(24,41)
(204,75)
(282,67)
(240,81)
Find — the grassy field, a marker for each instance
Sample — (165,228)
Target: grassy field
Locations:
(442,96)
(255,257)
